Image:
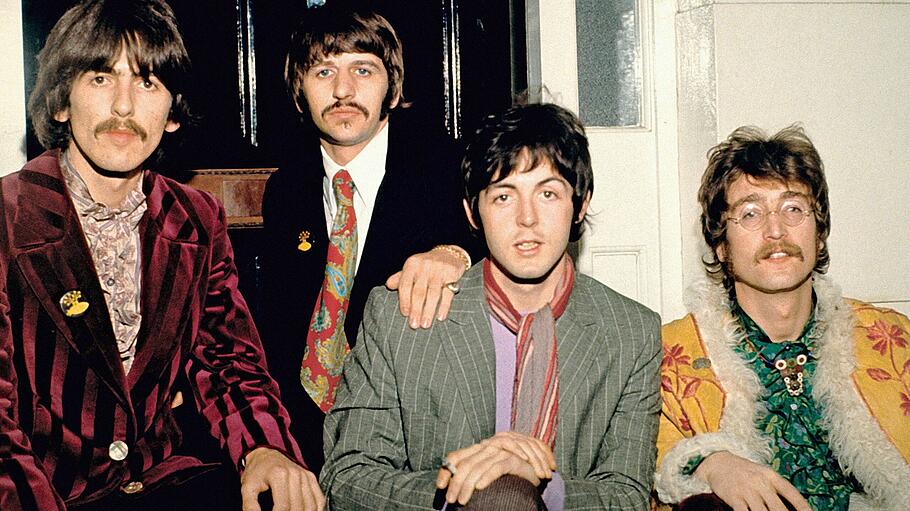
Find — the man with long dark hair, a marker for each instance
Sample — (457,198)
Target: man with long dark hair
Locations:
(117,281)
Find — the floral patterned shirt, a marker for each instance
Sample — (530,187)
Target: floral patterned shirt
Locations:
(113,240)
(799,443)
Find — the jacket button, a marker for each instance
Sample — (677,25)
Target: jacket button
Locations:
(118,450)
(132,487)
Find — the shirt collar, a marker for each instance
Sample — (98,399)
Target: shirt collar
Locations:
(366,169)
(86,206)
(757,335)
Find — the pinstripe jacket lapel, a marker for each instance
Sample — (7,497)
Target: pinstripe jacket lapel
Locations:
(472,356)
(54,258)
(577,351)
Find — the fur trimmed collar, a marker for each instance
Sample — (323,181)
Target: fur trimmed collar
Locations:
(854,434)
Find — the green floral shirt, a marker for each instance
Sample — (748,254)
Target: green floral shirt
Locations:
(799,443)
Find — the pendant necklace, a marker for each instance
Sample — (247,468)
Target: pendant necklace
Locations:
(790,368)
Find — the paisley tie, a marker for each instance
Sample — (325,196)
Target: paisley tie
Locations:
(326,343)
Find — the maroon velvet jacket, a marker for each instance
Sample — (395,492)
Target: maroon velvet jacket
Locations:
(64,398)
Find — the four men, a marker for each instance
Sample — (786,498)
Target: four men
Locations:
(117,281)
(776,389)
(539,372)
(537,389)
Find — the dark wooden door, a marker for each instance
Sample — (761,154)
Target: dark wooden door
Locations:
(463,59)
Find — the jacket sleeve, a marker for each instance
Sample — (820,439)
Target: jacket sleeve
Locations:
(227,367)
(23,483)
(625,466)
(366,462)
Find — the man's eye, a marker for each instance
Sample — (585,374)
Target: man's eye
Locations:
(147,84)
(362,71)
(795,207)
(501,198)
(99,79)
(750,213)
(322,73)
(549,194)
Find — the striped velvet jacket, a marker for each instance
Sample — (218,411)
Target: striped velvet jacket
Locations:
(67,410)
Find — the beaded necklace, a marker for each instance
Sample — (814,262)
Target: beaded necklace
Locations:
(788,365)
(791,360)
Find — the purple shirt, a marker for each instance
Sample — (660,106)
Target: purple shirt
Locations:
(504,342)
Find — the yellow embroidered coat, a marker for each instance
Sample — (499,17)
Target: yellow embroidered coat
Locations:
(862,382)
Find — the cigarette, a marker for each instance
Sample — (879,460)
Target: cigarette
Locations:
(448,465)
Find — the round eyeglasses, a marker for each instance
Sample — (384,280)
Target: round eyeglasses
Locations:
(752,216)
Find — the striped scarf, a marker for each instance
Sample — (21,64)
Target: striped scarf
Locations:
(535,399)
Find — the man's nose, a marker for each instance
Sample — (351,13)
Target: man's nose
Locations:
(774,227)
(527,214)
(122,105)
(344,86)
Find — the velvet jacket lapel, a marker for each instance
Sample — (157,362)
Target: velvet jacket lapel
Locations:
(53,256)
(171,245)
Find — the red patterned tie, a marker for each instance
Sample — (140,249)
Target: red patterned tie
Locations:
(326,343)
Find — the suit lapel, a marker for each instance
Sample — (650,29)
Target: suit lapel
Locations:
(577,351)
(172,256)
(473,359)
(54,259)
(472,356)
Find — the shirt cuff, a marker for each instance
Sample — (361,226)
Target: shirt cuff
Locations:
(241,464)
(692,465)
(554,495)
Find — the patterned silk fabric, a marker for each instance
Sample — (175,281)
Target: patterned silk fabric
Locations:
(326,343)
(798,441)
(113,239)
(536,395)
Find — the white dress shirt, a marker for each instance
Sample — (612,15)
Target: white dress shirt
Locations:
(367,170)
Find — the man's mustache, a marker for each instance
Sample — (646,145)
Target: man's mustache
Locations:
(784,246)
(345,104)
(117,125)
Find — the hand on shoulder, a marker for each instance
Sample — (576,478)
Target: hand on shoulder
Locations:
(428,282)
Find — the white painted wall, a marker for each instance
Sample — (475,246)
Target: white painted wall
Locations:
(841,68)
(12,101)
(843,71)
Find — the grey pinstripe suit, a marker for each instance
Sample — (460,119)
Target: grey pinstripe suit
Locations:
(409,397)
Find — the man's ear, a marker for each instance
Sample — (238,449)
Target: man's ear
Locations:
(171,126)
(584,209)
(469,214)
(62,115)
(395,100)
(721,252)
